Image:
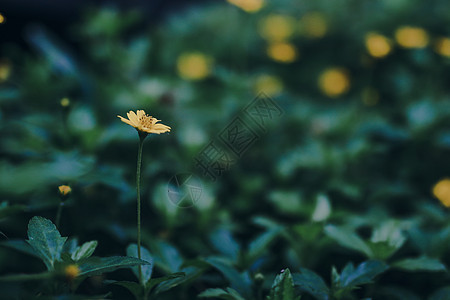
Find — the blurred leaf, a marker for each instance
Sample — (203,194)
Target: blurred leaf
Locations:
(167,282)
(135,288)
(282,287)
(309,282)
(166,256)
(419,264)
(348,239)
(257,247)
(224,242)
(441,294)
(238,281)
(21,246)
(45,240)
(132,251)
(7,210)
(227,294)
(98,265)
(84,251)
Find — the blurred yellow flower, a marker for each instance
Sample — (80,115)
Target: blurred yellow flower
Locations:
(249,6)
(334,82)
(65,102)
(64,190)
(5,70)
(2,19)
(411,37)
(144,123)
(277,27)
(442,46)
(194,66)
(313,25)
(442,191)
(377,45)
(268,84)
(282,52)
(72,271)
(370,96)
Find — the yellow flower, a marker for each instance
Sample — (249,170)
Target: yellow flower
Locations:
(442,46)
(249,6)
(194,66)
(411,37)
(144,123)
(282,52)
(72,271)
(2,19)
(64,190)
(65,102)
(334,82)
(442,191)
(270,85)
(377,45)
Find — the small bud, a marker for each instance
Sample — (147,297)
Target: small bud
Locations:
(65,102)
(71,271)
(259,278)
(64,190)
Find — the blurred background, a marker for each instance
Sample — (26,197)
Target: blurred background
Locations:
(363,141)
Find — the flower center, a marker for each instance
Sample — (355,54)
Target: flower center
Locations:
(146,121)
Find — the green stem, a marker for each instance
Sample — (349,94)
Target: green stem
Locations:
(58,214)
(138,190)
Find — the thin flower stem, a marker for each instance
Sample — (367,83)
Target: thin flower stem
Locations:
(138,190)
(58,214)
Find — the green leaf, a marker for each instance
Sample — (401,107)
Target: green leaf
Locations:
(363,274)
(135,288)
(166,256)
(238,281)
(84,251)
(165,283)
(283,287)
(223,241)
(422,263)
(348,239)
(20,245)
(98,265)
(147,270)
(45,240)
(309,282)
(227,294)
(261,243)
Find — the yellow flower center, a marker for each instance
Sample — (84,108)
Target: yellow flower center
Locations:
(71,271)
(146,121)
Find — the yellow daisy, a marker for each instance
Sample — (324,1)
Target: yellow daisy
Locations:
(144,123)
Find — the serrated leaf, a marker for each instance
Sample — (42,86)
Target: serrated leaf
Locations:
(45,240)
(420,264)
(309,282)
(147,270)
(363,274)
(98,265)
(226,294)
(348,239)
(283,287)
(84,251)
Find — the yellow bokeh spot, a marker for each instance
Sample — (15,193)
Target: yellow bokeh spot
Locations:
(194,66)
(2,19)
(5,70)
(249,6)
(378,45)
(313,25)
(370,96)
(277,27)
(411,37)
(65,102)
(282,52)
(268,84)
(442,191)
(334,82)
(72,271)
(442,46)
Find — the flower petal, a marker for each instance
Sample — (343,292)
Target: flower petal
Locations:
(125,120)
